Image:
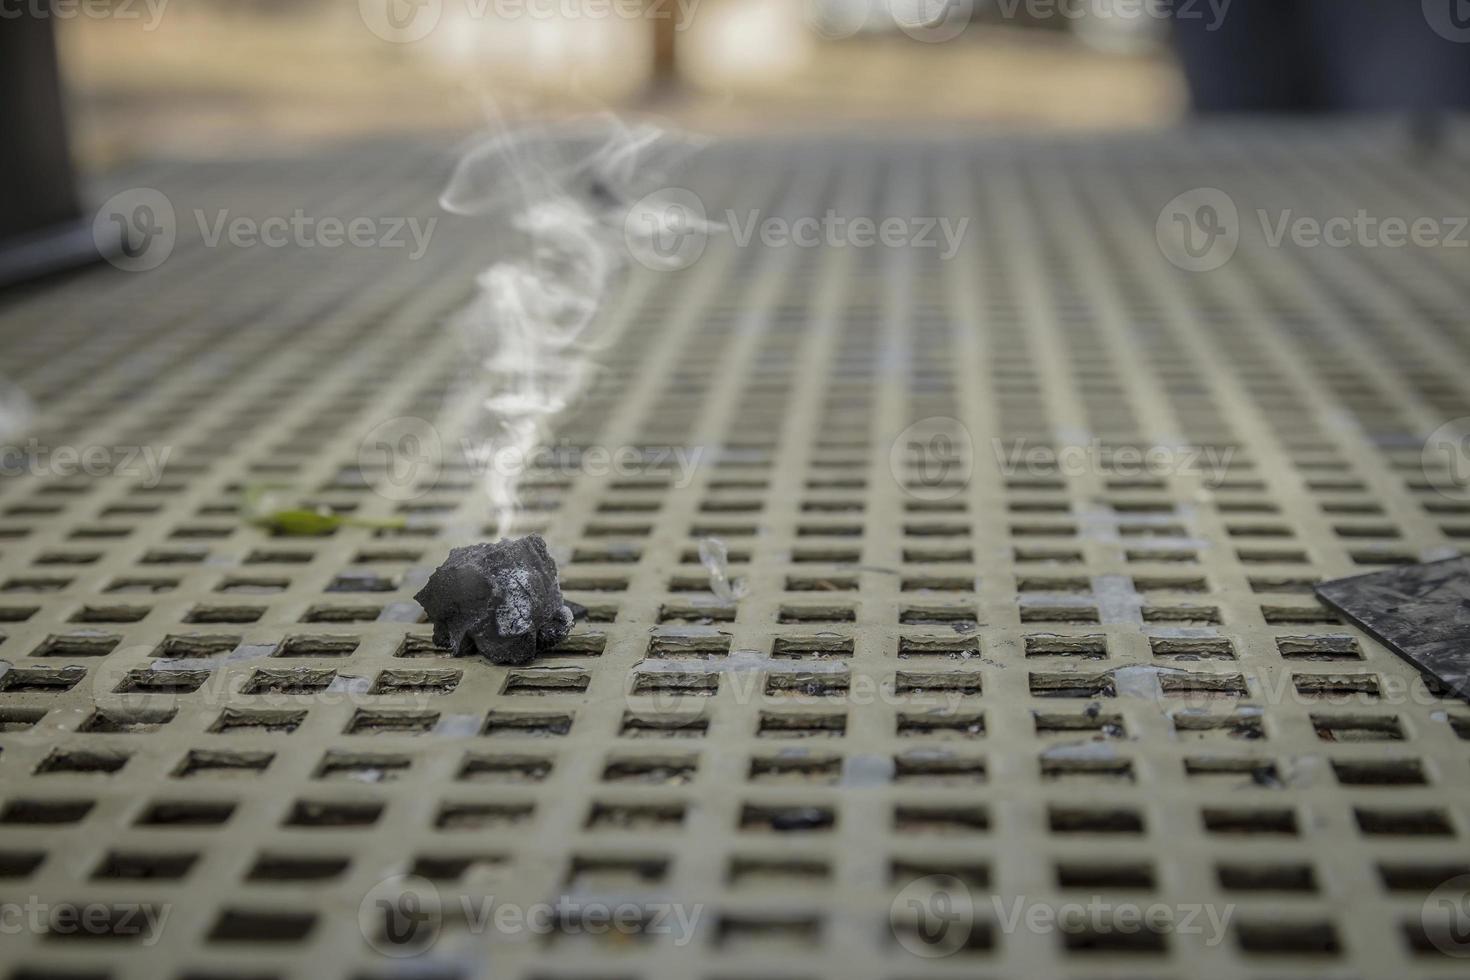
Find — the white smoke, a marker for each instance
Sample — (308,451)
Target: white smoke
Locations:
(568,189)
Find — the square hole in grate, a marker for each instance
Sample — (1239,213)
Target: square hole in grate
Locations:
(654,770)
(186,813)
(1249,820)
(271,867)
(787,818)
(289,680)
(527,725)
(1089,646)
(77,644)
(614,874)
(1070,764)
(939,724)
(1094,820)
(815,647)
(927,682)
(120,721)
(391,721)
(1403,821)
(1379,772)
(768,931)
(41,680)
(1322,648)
(260,721)
(260,926)
(222,762)
(933,818)
(801,724)
(795,769)
(45,811)
(317,646)
(363,767)
(452,867)
(1105,874)
(427,681)
(482,816)
(693,642)
(333,813)
(951,646)
(145,865)
(1192,648)
(635,816)
(1287,938)
(110,613)
(103,761)
(809,683)
(1266,876)
(677,723)
(17,865)
(776,872)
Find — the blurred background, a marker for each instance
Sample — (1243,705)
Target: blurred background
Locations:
(109,82)
(211,77)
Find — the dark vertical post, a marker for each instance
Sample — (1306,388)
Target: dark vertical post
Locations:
(40,212)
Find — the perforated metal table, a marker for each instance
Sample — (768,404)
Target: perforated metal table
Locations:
(1061,649)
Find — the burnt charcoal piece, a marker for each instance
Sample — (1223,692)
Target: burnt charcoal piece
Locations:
(1421,611)
(501,600)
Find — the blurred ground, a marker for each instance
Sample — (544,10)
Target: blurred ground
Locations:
(214,80)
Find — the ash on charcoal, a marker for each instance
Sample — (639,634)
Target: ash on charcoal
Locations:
(500,600)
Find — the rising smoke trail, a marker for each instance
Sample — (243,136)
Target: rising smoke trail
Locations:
(569,190)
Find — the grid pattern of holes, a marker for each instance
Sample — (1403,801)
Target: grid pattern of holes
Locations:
(255,730)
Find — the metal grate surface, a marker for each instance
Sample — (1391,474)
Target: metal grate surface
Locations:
(1061,683)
